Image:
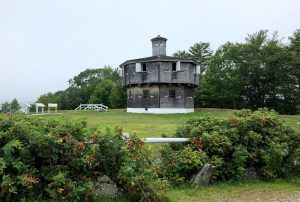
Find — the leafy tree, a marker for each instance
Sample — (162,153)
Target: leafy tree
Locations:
(91,77)
(267,76)
(82,89)
(5,107)
(51,98)
(220,86)
(199,52)
(86,82)
(117,97)
(102,93)
(182,54)
(14,105)
(294,48)
(295,41)
(71,98)
(261,72)
(202,54)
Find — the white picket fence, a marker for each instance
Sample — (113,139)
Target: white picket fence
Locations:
(94,107)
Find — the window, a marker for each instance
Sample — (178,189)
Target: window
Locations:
(123,71)
(172,93)
(174,66)
(138,67)
(144,68)
(145,93)
(198,69)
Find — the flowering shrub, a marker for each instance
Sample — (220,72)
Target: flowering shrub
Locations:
(42,159)
(244,145)
(179,165)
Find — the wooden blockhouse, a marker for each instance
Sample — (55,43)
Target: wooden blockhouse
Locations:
(160,83)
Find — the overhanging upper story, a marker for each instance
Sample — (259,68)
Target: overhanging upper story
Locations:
(160,69)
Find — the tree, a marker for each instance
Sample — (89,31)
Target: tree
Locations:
(117,97)
(71,98)
(199,52)
(90,77)
(82,89)
(5,107)
(51,98)
(102,93)
(261,72)
(294,48)
(86,82)
(220,86)
(182,54)
(14,105)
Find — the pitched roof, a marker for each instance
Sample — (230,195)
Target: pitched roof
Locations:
(158,38)
(160,58)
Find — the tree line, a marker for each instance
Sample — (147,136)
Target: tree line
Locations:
(12,106)
(260,72)
(96,86)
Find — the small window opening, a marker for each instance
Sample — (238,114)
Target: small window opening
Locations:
(174,66)
(145,93)
(144,68)
(172,93)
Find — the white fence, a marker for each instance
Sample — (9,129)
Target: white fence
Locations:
(161,139)
(165,140)
(94,107)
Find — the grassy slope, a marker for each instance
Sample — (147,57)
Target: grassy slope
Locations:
(151,125)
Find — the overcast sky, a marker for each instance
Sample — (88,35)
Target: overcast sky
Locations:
(45,43)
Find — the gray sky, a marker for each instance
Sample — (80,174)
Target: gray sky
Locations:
(45,43)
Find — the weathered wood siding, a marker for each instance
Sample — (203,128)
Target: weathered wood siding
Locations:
(159,96)
(161,72)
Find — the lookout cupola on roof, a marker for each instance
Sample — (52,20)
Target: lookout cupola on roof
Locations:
(159,46)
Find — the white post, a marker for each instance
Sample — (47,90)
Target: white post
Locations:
(166,140)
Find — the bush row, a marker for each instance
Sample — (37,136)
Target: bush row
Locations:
(245,145)
(62,160)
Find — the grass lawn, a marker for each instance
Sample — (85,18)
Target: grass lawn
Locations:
(244,192)
(152,125)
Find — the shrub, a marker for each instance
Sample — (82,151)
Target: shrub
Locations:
(44,160)
(246,144)
(178,166)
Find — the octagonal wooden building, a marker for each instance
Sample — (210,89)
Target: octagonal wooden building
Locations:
(160,84)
